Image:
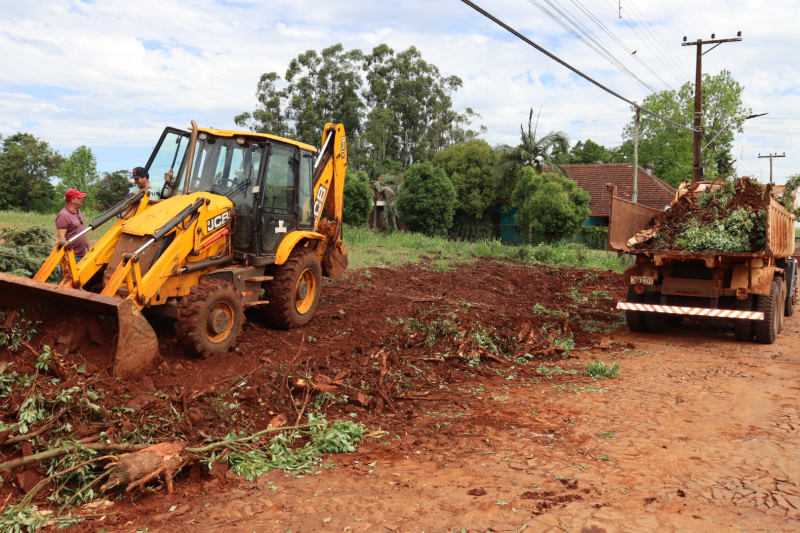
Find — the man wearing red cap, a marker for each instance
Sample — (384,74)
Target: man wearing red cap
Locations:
(70,222)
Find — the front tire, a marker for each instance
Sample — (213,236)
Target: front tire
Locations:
(293,293)
(210,318)
(772,306)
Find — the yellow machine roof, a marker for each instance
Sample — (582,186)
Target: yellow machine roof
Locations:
(231,133)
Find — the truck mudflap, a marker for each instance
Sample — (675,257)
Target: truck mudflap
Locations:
(691,311)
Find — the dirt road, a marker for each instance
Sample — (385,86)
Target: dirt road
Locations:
(699,433)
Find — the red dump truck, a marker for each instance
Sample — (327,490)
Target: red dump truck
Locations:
(755,290)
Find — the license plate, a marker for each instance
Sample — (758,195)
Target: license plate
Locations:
(644,280)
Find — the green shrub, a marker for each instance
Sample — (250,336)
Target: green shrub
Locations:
(357,202)
(595,237)
(427,203)
(549,207)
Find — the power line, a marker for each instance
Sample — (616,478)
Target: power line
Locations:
(655,54)
(747,55)
(567,65)
(613,36)
(604,53)
(664,46)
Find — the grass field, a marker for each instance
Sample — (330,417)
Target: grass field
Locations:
(20,220)
(368,248)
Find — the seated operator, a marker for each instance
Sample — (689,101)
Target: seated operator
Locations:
(142,180)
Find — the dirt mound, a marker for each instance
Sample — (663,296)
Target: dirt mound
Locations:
(380,347)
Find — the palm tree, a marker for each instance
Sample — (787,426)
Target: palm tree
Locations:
(386,188)
(390,218)
(532,151)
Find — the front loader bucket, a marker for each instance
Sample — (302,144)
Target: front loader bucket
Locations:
(110,333)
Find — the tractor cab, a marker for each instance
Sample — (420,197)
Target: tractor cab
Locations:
(267,178)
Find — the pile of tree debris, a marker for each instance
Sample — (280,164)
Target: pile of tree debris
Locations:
(22,251)
(714,216)
(69,435)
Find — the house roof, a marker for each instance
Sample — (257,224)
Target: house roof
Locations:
(593,179)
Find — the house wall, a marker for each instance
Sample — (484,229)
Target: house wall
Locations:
(505,227)
(596,221)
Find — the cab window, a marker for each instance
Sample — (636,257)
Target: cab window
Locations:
(278,195)
(304,189)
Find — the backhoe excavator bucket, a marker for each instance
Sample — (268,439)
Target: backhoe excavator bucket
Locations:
(110,333)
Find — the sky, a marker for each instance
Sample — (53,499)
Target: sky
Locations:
(112,74)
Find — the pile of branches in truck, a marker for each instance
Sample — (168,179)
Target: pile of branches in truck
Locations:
(714,216)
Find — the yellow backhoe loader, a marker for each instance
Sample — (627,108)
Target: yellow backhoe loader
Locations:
(240,226)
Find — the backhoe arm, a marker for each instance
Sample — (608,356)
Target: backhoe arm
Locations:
(329,175)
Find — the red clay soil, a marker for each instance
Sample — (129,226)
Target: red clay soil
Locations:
(433,328)
(699,433)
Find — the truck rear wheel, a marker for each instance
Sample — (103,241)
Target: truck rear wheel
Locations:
(772,306)
(210,318)
(293,294)
(635,319)
(654,322)
(743,329)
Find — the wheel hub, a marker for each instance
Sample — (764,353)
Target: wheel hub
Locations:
(302,290)
(218,321)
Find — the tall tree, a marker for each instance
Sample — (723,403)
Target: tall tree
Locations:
(532,151)
(550,206)
(111,188)
(403,113)
(588,152)
(269,115)
(79,171)
(26,168)
(670,147)
(420,100)
(322,87)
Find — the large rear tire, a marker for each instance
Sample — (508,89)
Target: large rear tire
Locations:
(743,329)
(772,306)
(654,322)
(293,293)
(210,318)
(635,319)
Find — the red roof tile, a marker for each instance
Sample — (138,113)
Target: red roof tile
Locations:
(593,179)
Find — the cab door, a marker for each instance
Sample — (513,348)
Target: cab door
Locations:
(278,213)
(245,176)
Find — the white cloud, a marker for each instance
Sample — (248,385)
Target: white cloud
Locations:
(116,72)
(375,37)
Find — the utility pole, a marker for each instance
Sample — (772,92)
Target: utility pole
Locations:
(697,164)
(636,155)
(620,8)
(771,157)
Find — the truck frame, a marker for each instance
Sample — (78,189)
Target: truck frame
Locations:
(755,290)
